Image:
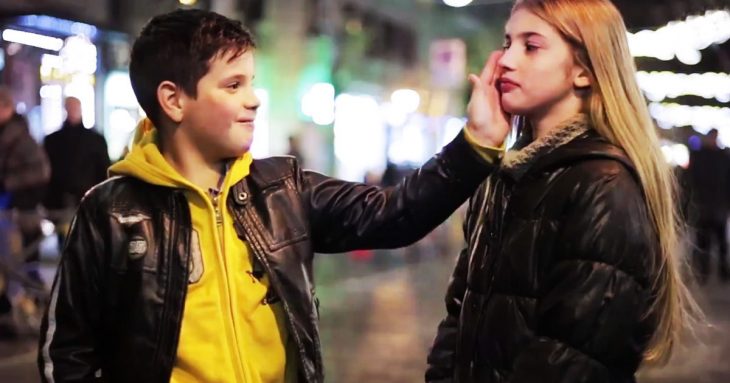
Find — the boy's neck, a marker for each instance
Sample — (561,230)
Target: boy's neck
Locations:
(193,166)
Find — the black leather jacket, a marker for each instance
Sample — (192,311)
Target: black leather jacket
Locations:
(556,279)
(118,298)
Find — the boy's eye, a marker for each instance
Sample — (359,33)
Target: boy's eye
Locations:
(234,85)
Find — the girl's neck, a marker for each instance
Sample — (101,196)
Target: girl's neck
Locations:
(543,123)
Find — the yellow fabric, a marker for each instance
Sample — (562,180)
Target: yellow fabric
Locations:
(227,334)
(488,153)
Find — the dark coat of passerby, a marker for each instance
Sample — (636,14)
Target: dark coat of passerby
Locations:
(709,193)
(24,173)
(24,169)
(79,159)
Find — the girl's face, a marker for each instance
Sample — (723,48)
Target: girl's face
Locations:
(538,72)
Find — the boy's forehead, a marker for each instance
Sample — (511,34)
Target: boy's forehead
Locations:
(230,54)
(232,63)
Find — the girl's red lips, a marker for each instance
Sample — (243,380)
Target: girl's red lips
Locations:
(506,85)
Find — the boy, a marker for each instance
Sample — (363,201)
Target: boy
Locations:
(195,263)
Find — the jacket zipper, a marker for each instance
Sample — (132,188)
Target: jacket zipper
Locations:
(215,199)
(218,214)
(496,259)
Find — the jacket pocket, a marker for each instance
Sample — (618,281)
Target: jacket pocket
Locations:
(282,220)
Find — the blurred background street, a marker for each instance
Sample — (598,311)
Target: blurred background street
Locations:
(379,312)
(365,91)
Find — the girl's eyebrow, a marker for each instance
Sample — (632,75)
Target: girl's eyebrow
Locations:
(524,35)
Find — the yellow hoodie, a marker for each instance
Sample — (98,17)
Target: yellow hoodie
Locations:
(227,334)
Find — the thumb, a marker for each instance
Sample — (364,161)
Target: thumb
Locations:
(474,80)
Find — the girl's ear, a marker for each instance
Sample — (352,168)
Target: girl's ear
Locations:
(582,78)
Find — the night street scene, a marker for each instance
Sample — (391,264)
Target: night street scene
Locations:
(365,191)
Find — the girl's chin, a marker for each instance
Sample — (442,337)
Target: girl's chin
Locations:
(514,108)
(511,109)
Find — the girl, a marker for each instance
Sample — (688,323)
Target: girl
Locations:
(571,271)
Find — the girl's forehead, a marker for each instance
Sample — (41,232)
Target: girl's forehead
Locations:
(525,23)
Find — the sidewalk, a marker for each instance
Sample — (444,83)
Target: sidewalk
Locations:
(378,321)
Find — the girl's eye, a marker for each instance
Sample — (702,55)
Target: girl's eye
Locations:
(505,46)
(530,47)
(234,85)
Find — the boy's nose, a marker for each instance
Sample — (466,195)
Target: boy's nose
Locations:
(252,101)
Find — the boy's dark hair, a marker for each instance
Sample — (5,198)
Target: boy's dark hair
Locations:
(178,47)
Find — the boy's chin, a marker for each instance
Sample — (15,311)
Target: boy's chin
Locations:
(229,153)
(244,149)
(241,152)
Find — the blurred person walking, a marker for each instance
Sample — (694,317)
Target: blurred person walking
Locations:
(79,160)
(24,173)
(709,191)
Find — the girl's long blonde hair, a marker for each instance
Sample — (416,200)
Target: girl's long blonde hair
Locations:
(617,109)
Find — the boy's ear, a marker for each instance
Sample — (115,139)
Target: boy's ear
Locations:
(169,96)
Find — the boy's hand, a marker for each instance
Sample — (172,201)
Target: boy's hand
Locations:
(488,123)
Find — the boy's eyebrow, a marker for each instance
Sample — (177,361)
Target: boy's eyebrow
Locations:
(239,76)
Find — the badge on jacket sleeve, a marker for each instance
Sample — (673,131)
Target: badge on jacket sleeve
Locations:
(137,247)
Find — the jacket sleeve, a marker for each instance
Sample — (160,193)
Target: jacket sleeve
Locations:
(69,341)
(591,324)
(346,216)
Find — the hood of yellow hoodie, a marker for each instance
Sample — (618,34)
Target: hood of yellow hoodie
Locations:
(145,162)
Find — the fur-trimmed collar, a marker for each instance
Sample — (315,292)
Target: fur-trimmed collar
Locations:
(527,151)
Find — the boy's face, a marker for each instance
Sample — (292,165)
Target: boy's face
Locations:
(220,120)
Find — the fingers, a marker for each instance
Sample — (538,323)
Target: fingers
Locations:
(498,71)
(489,74)
(484,75)
(474,80)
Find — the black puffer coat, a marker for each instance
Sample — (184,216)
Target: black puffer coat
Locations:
(556,279)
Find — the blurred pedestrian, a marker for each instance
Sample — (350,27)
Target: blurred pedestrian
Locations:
(709,191)
(24,173)
(294,148)
(79,160)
